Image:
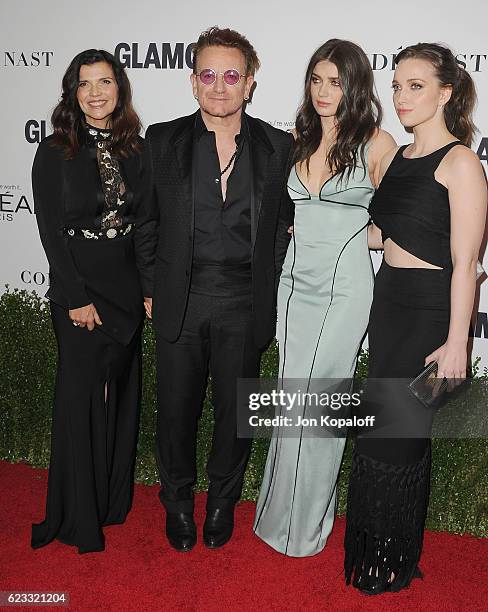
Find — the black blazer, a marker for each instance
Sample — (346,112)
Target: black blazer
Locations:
(170,204)
(68,194)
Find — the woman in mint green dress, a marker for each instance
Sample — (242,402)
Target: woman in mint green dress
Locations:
(326,285)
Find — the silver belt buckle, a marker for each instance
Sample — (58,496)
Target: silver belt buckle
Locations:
(111,233)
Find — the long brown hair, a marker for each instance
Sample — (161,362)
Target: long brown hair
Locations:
(359,112)
(459,109)
(67,118)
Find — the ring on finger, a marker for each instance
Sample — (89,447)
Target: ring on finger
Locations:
(75,324)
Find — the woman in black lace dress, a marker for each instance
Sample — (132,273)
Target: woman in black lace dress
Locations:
(87,183)
(429,216)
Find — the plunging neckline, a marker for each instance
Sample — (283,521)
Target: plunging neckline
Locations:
(311,195)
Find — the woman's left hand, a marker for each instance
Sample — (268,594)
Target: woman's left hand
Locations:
(451,360)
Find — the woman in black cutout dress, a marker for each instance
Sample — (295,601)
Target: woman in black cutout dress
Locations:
(430,208)
(87,184)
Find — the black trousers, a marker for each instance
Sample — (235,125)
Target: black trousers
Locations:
(217,335)
(93,439)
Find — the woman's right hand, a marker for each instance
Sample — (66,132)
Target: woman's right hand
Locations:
(86,316)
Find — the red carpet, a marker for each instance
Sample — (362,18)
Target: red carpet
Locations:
(139,570)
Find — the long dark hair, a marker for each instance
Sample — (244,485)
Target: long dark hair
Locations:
(459,109)
(359,112)
(67,117)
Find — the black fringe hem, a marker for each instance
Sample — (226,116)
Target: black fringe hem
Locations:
(386,510)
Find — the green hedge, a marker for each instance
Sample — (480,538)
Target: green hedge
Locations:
(459,496)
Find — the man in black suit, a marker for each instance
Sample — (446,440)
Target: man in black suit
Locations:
(217,186)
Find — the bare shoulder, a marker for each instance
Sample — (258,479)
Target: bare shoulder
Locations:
(461,159)
(382,141)
(293,132)
(382,150)
(387,157)
(382,146)
(460,166)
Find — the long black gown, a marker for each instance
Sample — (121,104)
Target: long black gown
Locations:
(87,212)
(409,319)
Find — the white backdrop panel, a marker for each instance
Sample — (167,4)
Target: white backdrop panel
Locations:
(38,39)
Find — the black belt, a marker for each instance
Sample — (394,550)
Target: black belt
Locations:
(99,234)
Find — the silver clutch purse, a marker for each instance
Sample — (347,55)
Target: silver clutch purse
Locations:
(427,388)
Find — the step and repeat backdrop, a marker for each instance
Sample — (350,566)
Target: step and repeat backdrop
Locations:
(153,40)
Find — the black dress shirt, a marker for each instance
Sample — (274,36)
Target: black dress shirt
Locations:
(222,228)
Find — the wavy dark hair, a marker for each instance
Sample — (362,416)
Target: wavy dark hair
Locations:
(67,118)
(359,112)
(459,109)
